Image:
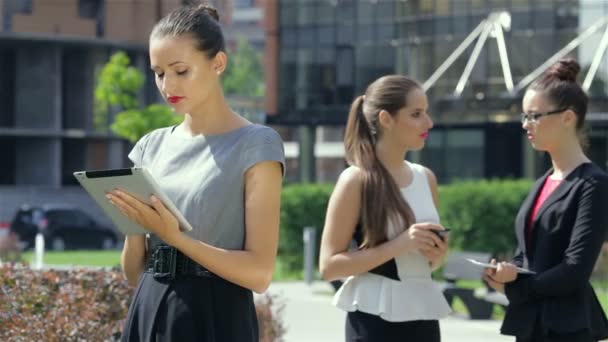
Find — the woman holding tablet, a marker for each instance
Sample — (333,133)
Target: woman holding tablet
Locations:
(224,175)
(561,224)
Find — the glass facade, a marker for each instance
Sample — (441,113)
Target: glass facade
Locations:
(330,50)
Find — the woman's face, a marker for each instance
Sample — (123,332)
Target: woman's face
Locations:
(409,128)
(184,75)
(546,130)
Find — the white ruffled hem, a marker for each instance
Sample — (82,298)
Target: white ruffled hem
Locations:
(394,301)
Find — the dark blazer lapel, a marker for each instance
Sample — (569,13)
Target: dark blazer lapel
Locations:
(526,211)
(561,191)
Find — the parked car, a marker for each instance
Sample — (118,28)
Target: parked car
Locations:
(63,227)
(4,229)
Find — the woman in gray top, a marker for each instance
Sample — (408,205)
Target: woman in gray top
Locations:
(224,174)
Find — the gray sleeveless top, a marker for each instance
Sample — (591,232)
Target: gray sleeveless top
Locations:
(204,176)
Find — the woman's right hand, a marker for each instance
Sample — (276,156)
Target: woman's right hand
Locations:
(504,273)
(419,237)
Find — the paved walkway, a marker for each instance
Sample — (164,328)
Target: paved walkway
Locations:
(310,317)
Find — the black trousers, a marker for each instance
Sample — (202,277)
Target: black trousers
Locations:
(364,327)
(579,336)
(538,335)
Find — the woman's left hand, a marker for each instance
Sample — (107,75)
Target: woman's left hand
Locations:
(156,218)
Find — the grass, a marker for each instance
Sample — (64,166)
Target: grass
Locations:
(79,258)
(601,291)
(112,258)
(283,273)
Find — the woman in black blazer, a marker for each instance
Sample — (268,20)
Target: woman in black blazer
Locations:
(561,225)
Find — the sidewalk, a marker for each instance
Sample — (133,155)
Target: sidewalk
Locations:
(310,317)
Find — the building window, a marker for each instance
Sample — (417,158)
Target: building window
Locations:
(73,157)
(464,157)
(305,14)
(6,16)
(327,76)
(92,9)
(89,8)
(23,7)
(345,74)
(455,154)
(288,15)
(8,90)
(8,146)
(243,3)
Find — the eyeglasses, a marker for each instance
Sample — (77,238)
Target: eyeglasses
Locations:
(533,117)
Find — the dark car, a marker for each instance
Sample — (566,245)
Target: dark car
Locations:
(63,227)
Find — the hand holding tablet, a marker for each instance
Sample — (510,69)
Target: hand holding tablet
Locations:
(137,182)
(488,265)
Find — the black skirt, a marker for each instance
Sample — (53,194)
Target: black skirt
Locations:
(191,308)
(364,327)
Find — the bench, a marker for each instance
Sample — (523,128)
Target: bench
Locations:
(494,297)
(458,268)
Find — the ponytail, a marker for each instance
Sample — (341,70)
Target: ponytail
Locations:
(381,198)
(359,140)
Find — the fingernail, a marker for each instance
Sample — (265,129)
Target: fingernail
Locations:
(153,198)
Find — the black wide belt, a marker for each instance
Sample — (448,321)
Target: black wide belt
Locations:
(167,262)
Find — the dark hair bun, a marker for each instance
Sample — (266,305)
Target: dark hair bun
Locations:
(210,10)
(565,70)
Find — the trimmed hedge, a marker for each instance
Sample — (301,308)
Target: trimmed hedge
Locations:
(302,205)
(481,215)
(84,305)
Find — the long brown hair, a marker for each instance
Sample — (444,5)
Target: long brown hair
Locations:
(381,197)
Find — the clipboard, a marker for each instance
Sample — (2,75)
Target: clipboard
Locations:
(136,181)
(488,265)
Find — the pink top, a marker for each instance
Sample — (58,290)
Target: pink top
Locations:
(549,186)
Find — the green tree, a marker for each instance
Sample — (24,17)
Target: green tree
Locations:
(118,85)
(135,123)
(244,75)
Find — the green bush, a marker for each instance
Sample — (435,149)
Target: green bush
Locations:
(482,214)
(302,205)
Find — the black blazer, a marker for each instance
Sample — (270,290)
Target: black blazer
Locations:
(567,236)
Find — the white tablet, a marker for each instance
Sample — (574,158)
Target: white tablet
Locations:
(488,265)
(136,181)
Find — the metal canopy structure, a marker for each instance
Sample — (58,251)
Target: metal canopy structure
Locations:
(495,25)
(597,58)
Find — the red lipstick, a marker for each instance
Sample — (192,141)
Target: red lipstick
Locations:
(175,99)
